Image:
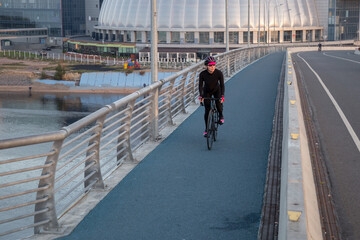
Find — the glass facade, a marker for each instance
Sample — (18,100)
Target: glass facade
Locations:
(44,14)
(73,13)
(343,19)
(23,32)
(348,19)
(31,14)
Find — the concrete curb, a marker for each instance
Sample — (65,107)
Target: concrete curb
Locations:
(299,214)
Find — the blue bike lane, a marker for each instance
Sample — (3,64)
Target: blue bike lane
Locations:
(181,190)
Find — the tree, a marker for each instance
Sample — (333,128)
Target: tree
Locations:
(59,72)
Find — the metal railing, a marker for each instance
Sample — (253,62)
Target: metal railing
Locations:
(90,59)
(42,176)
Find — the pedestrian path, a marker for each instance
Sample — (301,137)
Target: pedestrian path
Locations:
(181,190)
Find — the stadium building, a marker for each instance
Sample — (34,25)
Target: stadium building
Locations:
(204,21)
(199,26)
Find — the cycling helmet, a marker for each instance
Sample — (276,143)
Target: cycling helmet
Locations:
(210,60)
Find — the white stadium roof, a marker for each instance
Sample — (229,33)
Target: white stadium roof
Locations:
(198,15)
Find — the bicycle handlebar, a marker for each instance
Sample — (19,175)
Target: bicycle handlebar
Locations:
(211,98)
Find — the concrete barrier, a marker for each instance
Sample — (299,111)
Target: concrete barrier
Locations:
(299,214)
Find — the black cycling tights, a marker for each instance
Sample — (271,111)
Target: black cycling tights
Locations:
(207,103)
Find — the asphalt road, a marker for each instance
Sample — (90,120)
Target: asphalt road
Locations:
(182,190)
(338,125)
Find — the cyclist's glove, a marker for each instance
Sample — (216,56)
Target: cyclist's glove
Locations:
(201,102)
(222,99)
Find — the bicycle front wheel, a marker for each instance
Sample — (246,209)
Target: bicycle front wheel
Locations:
(216,124)
(210,130)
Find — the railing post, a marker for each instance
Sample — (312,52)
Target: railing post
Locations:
(171,90)
(183,81)
(125,140)
(193,82)
(95,151)
(222,64)
(48,193)
(128,130)
(228,65)
(232,63)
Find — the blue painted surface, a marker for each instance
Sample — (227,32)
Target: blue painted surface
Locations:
(120,79)
(49,81)
(181,190)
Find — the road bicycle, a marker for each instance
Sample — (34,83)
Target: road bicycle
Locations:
(213,122)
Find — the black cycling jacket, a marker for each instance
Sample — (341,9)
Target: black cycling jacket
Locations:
(210,83)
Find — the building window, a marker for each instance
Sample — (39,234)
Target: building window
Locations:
(298,36)
(204,37)
(175,37)
(138,36)
(287,36)
(308,35)
(317,35)
(148,36)
(162,37)
(128,36)
(219,37)
(245,38)
(263,36)
(234,37)
(274,36)
(189,37)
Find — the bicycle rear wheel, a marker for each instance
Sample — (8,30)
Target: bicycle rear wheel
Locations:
(210,130)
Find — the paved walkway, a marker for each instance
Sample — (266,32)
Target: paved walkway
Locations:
(181,190)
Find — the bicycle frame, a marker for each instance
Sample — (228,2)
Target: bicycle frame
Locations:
(212,122)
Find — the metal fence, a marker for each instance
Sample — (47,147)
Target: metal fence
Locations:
(42,176)
(89,59)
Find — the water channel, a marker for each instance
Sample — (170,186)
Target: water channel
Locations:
(22,115)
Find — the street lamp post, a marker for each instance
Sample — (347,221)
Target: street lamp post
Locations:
(264,23)
(248,36)
(154,68)
(227,24)
(268,32)
(274,17)
(259,25)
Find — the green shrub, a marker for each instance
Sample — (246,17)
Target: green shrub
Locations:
(59,72)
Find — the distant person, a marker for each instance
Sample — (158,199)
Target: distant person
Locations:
(319,47)
(211,83)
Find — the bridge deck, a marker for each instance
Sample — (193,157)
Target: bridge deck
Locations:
(181,190)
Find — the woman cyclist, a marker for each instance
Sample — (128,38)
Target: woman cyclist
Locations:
(211,84)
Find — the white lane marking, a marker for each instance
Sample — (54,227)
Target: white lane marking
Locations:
(341,113)
(342,58)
